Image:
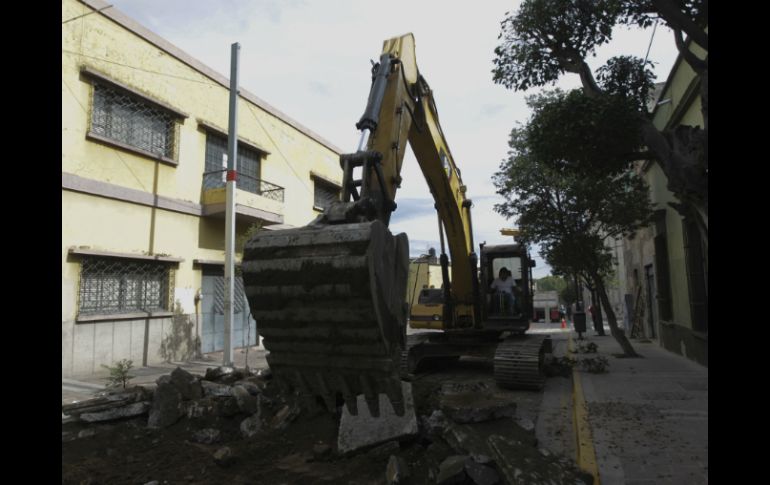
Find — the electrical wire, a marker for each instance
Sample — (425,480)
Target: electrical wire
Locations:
(655,26)
(286,160)
(89,13)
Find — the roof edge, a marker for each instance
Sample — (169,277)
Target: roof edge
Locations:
(132,25)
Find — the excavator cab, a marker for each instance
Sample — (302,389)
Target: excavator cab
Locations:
(501,311)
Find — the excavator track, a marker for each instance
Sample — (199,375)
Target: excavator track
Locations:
(518,362)
(328,300)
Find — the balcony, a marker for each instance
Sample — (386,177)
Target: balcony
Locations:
(255,199)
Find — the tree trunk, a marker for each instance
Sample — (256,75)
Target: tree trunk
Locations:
(616,332)
(599,324)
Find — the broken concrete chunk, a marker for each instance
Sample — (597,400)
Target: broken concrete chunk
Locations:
(252,385)
(128,411)
(216,389)
(86,433)
(526,424)
(435,423)
(224,457)
(211,406)
(246,402)
(397,470)
(206,436)
(356,432)
(251,426)
(481,474)
(452,470)
(187,384)
(216,373)
(283,417)
(166,409)
(384,449)
(468,407)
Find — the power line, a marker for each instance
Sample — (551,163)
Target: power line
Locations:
(141,69)
(286,160)
(89,13)
(655,26)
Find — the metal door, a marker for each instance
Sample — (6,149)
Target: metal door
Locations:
(213,315)
(651,299)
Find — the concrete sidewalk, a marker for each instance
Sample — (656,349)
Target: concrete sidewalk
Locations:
(80,388)
(648,417)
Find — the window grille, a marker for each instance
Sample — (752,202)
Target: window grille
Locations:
(133,121)
(112,285)
(324,194)
(248,168)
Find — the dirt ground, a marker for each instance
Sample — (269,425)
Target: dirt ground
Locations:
(128,452)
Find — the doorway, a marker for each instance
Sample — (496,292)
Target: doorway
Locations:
(244,331)
(651,298)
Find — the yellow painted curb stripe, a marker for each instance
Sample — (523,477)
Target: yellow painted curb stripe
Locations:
(584,449)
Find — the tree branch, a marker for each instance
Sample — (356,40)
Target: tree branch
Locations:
(698,65)
(677,20)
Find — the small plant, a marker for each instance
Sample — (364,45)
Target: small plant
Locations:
(595,365)
(561,366)
(119,373)
(589,348)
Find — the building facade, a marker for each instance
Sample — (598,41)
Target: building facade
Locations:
(144,149)
(666,263)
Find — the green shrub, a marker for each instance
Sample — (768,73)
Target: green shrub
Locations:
(119,375)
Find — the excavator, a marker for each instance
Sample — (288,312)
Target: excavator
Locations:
(330,297)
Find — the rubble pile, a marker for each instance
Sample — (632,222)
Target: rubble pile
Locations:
(468,435)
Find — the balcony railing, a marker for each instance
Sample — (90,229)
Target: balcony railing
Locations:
(218,178)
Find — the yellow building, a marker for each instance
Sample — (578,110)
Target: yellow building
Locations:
(143,156)
(666,264)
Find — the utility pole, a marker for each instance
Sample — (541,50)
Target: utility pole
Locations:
(232,171)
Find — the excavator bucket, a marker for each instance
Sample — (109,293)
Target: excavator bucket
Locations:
(329,301)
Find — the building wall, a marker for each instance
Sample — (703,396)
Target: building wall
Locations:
(678,104)
(97,213)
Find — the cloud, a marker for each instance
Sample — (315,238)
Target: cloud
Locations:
(412,207)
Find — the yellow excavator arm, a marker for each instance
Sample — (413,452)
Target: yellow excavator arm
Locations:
(407,111)
(329,298)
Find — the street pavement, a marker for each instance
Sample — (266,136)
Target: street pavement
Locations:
(647,418)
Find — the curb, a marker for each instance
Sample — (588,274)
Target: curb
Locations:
(584,444)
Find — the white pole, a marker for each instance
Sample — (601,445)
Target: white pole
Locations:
(232,166)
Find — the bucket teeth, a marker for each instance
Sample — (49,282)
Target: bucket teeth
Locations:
(328,301)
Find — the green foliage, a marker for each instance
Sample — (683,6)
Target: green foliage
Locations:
(546,37)
(551,283)
(119,375)
(589,348)
(591,136)
(569,210)
(595,365)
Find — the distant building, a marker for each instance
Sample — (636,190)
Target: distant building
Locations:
(424,272)
(143,174)
(544,302)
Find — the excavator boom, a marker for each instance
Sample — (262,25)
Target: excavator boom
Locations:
(330,297)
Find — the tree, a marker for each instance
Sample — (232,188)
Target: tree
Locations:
(551,283)
(571,215)
(545,39)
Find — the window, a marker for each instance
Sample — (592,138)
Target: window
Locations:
(130,120)
(216,165)
(324,194)
(697,275)
(113,285)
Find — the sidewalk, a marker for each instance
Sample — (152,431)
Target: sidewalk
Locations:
(648,417)
(80,388)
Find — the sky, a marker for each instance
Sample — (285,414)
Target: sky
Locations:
(311,60)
